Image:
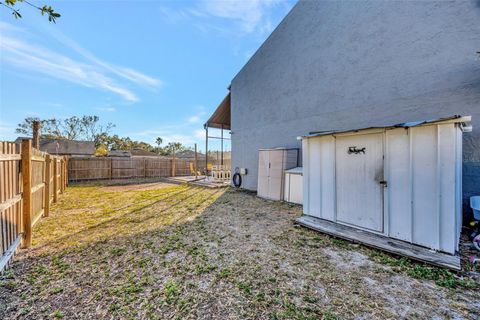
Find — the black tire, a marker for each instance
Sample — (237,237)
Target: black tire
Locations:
(237,180)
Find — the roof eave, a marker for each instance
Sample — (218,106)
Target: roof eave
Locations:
(465,120)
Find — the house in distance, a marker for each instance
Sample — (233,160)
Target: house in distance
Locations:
(64,147)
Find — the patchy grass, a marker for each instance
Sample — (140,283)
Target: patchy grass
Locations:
(442,277)
(182,252)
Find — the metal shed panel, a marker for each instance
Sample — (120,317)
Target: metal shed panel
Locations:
(423,172)
(306,174)
(319,177)
(315,178)
(447,184)
(399,191)
(425,185)
(358,176)
(458,186)
(327,165)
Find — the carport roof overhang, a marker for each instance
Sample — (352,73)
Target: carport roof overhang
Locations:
(221,117)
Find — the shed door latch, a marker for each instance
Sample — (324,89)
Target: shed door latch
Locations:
(384,183)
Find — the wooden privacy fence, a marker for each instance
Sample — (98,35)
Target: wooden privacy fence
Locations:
(29,181)
(121,168)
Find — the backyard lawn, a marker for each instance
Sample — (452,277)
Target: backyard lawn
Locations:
(168,251)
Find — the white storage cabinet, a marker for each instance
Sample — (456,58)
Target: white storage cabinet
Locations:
(293,186)
(272,164)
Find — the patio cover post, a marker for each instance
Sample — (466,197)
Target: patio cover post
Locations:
(206,150)
(196,162)
(221,147)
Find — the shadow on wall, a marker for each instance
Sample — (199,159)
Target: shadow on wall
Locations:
(471,161)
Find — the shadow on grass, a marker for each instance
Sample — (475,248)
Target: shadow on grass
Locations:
(54,260)
(145,204)
(206,254)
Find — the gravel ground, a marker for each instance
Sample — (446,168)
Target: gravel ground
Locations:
(182,252)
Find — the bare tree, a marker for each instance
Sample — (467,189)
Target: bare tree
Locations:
(73,128)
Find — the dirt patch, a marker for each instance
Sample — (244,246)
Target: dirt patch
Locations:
(140,187)
(120,182)
(186,252)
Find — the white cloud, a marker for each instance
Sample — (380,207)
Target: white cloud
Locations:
(252,15)
(199,134)
(41,60)
(123,72)
(93,72)
(55,104)
(107,109)
(10,27)
(249,54)
(247,16)
(200,113)
(174,16)
(194,119)
(185,133)
(166,135)
(183,139)
(6,131)
(136,76)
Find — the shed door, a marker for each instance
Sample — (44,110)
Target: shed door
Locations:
(263,172)
(359,171)
(270,171)
(275,174)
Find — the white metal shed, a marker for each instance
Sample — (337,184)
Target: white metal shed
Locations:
(293,185)
(401,182)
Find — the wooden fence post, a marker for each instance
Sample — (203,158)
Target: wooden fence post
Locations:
(59,172)
(111,168)
(55,179)
(144,167)
(47,185)
(68,172)
(64,161)
(65,175)
(65,171)
(62,173)
(36,134)
(173,164)
(27,192)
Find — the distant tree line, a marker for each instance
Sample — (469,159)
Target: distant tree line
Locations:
(89,128)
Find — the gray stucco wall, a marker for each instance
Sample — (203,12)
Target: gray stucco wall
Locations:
(333,65)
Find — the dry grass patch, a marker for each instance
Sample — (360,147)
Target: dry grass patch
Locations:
(183,252)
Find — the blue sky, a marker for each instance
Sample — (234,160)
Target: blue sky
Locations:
(153,68)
